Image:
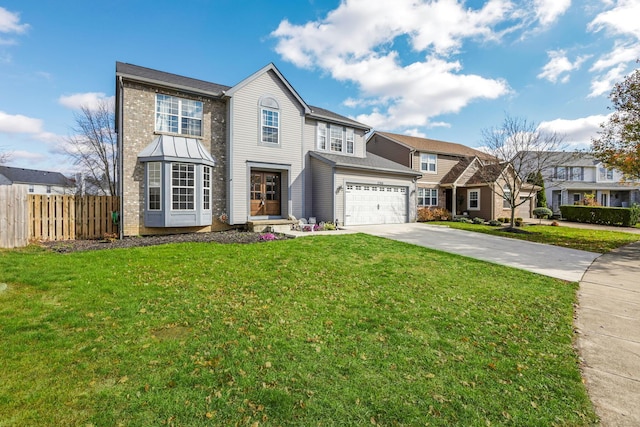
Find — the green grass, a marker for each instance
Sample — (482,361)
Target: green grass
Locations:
(326,330)
(599,241)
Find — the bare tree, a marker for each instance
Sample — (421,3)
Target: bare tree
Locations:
(93,147)
(521,152)
(5,156)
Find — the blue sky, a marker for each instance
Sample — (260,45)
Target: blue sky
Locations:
(444,69)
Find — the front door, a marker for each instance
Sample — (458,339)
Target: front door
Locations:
(265,193)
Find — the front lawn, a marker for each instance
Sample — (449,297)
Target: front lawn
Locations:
(599,241)
(325,330)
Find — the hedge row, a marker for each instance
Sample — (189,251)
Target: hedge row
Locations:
(627,217)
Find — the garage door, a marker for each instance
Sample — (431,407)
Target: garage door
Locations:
(375,204)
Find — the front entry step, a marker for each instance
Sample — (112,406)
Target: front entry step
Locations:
(270,225)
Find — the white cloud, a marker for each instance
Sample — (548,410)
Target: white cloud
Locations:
(19,124)
(559,66)
(400,95)
(10,22)
(91,100)
(29,156)
(577,133)
(548,11)
(621,22)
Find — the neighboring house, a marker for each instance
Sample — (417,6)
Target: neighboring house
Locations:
(455,177)
(200,156)
(572,176)
(37,181)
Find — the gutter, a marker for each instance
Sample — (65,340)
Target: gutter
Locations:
(120,157)
(167,86)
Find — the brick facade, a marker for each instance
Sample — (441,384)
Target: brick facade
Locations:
(138,131)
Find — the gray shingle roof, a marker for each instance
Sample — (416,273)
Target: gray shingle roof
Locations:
(33,176)
(330,115)
(370,163)
(435,146)
(173,80)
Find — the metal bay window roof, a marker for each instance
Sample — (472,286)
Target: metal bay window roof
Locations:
(176,149)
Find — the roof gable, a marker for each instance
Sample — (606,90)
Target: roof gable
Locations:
(433,145)
(326,115)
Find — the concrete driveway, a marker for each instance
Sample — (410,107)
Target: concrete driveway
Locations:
(553,261)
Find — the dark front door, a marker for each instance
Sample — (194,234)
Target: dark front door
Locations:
(265,193)
(448,199)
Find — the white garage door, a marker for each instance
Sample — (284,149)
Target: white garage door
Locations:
(375,204)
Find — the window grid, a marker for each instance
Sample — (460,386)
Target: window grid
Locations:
(154,180)
(474,199)
(506,193)
(322,136)
(606,174)
(336,138)
(270,126)
(427,197)
(350,141)
(428,162)
(178,115)
(182,186)
(206,188)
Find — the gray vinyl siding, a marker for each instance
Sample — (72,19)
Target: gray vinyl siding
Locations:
(390,150)
(444,164)
(323,190)
(344,176)
(245,143)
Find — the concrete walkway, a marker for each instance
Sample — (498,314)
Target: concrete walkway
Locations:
(554,261)
(608,325)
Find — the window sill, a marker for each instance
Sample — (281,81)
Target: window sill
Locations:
(181,135)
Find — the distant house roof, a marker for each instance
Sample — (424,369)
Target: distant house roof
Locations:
(371,162)
(434,146)
(563,158)
(176,148)
(33,176)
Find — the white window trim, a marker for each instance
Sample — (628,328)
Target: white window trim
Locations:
(428,162)
(430,197)
(350,140)
(179,115)
(322,133)
(603,174)
(263,125)
(469,200)
(506,197)
(193,188)
(206,187)
(331,138)
(149,186)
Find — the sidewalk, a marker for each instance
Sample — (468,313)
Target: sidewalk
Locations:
(608,326)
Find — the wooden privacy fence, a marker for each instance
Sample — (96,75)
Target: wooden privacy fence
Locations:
(71,217)
(14,228)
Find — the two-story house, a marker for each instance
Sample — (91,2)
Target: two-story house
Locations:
(572,176)
(37,181)
(455,177)
(200,156)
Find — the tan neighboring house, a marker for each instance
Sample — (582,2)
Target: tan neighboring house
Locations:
(455,177)
(37,181)
(201,156)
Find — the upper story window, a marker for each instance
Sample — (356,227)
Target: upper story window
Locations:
(178,115)
(31,188)
(605,174)
(322,136)
(560,172)
(350,140)
(428,162)
(269,121)
(577,173)
(506,195)
(48,189)
(336,138)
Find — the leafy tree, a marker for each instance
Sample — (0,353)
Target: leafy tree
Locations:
(520,150)
(619,143)
(93,147)
(541,197)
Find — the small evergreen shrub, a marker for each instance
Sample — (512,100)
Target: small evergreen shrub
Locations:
(542,212)
(626,217)
(478,220)
(495,223)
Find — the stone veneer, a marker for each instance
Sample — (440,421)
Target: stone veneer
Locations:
(138,131)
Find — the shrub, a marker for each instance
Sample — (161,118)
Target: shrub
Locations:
(433,214)
(267,237)
(463,219)
(518,222)
(329,226)
(542,212)
(627,217)
(504,220)
(495,223)
(555,224)
(478,220)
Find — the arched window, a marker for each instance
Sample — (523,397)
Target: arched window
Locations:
(269,120)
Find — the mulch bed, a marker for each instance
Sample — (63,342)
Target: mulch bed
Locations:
(231,236)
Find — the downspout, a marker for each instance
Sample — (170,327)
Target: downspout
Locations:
(454,201)
(120,157)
